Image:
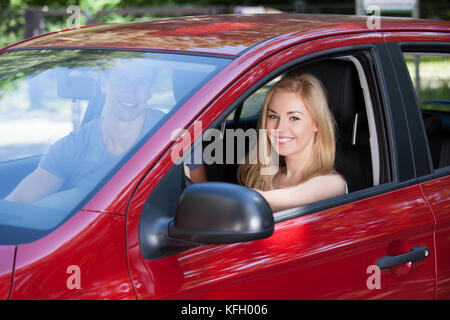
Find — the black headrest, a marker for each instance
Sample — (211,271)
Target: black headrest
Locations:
(341,82)
(94,108)
(432,122)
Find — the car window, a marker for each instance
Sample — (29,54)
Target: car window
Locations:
(359,144)
(253,104)
(68,118)
(430,75)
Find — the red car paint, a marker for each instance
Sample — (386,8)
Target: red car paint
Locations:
(323,255)
(92,241)
(7,254)
(228,34)
(437,194)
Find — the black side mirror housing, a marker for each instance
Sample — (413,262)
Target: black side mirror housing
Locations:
(217,212)
(177,217)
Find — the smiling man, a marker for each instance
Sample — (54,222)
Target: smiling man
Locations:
(86,155)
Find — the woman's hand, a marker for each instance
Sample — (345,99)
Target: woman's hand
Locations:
(187,171)
(196,175)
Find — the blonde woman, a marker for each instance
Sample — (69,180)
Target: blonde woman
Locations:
(301,129)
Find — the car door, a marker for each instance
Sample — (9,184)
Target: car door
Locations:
(6,270)
(428,108)
(326,250)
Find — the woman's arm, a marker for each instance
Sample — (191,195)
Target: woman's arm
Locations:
(315,189)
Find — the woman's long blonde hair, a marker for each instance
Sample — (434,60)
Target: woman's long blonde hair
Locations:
(310,89)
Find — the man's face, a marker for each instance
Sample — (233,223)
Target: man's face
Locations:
(127,90)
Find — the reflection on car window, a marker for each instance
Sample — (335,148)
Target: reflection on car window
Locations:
(252,106)
(430,74)
(68,117)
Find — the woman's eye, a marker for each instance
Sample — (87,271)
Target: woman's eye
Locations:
(293,118)
(272,116)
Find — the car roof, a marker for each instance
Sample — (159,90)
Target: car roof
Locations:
(219,34)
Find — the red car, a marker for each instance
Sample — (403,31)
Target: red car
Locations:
(78,223)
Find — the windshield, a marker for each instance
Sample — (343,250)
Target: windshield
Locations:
(69,117)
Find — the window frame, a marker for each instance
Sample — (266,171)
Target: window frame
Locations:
(398,176)
(421,150)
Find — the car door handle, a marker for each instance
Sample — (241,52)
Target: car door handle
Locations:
(416,254)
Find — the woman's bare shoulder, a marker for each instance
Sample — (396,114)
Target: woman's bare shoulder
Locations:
(333,181)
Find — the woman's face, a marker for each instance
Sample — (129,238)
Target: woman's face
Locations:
(290,128)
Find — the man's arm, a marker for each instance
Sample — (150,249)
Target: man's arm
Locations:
(37,185)
(196,175)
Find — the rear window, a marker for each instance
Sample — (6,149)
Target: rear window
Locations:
(430,74)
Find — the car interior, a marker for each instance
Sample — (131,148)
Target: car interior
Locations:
(78,87)
(437,127)
(358,156)
(346,100)
(70,87)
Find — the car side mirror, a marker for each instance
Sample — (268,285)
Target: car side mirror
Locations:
(177,217)
(217,213)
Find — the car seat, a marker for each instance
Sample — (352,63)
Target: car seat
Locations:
(345,100)
(439,143)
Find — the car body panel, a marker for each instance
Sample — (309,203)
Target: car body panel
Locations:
(112,196)
(91,242)
(437,195)
(220,34)
(324,255)
(435,185)
(413,36)
(7,254)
